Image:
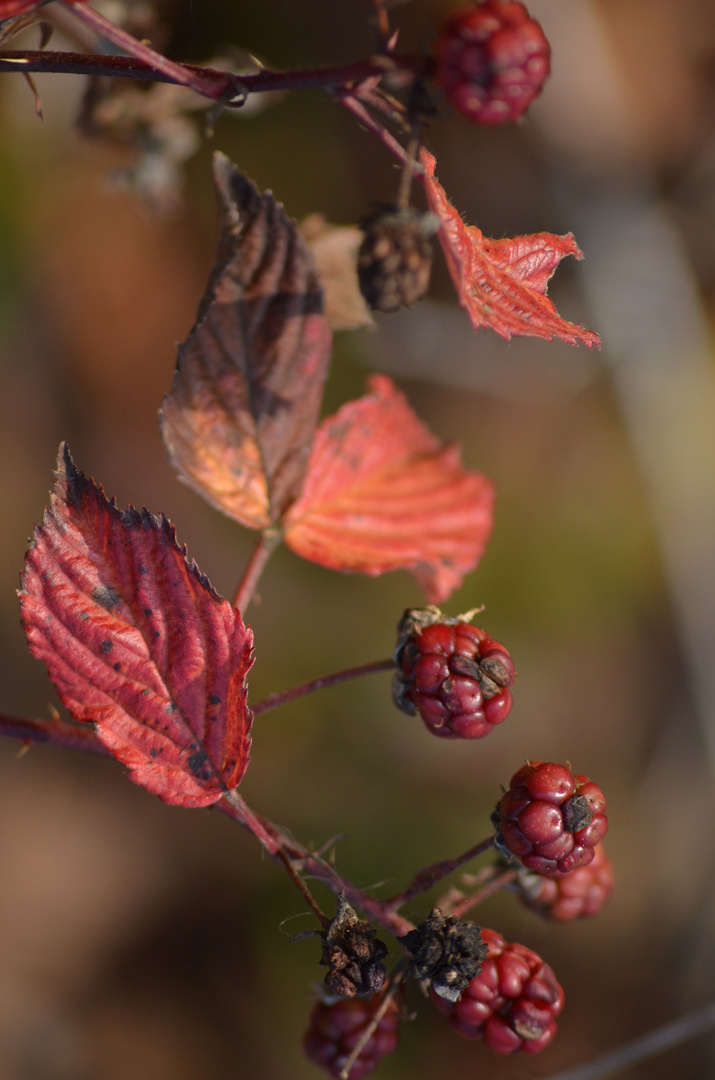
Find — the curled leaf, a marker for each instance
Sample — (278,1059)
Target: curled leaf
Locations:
(502,283)
(382,493)
(335,249)
(137,641)
(243,409)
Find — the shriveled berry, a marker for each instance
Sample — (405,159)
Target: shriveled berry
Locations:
(446,951)
(513,1002)
(492,59)
(451,673)
(395,258)
(353,954)
(336,1027)
(577,895)
(550,819)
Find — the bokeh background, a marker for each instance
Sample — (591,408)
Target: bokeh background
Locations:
(147,941)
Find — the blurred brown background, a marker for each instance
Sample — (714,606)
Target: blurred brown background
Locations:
(146,941)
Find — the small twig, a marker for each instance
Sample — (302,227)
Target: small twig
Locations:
(408,169)
(497,883)
(358,110)
(303,889)
(428,877)
(393,986)
(284,696)
(55,732)
(265,546)
(655,1042)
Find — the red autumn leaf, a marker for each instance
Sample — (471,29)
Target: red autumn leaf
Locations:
(245,402)
(382,493)
(10,8)
(137,641)
(502,283)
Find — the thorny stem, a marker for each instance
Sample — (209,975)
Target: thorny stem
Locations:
(177,73)
(279,845)
(207,81)
(267,542)
(655,1042)
(428,877)
(284,696)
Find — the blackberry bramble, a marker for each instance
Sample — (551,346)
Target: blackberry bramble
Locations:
(336,1027)
(549,819)
(492,60)
(513,1002)
(451,673)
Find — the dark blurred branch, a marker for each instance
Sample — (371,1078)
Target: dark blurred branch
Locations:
(211,82)
(55,731)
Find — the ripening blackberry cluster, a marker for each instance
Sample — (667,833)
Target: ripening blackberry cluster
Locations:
(491,60)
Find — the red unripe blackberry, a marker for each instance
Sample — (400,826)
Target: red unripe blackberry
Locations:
(336,1027)
(451,673)
(550,819)
(577,895)
(513,1002)
(492,60)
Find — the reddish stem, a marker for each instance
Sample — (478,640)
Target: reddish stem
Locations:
(284,696)
(303,889)
(56,732)
(281,846)
(177,73)
(425,879)
(498,882)
(356,107)
(265,546)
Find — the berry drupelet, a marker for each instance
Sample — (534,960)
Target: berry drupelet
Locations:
(577,895)
(336,1027)
(550,819)
(492,60)
(451,673)
(513,1002)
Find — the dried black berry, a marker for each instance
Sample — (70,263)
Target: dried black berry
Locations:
(395,258)
(446,951)
(353,953)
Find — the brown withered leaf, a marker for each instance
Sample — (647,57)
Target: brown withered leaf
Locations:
(334,249)
(239,422)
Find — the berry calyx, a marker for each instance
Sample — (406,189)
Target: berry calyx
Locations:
(395,258)
(451,673)
(446,951)
(336,1027)
(577,895)
(550,819)
(492,60)
(513,1002)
